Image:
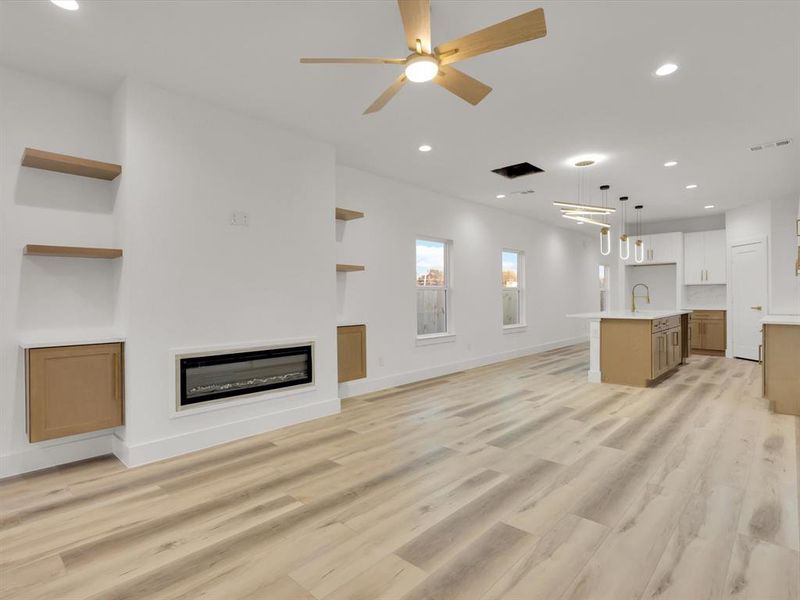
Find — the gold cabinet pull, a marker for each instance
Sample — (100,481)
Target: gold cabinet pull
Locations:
(759,307)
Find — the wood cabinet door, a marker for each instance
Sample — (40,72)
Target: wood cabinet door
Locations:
(716,257)
(693,258)
(352,352)
(73,389)
(714,335)
(697,334)
(674,341)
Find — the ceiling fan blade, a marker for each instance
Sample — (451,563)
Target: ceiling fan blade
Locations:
(354,61)
(416,15)
(462,85)
(387,95)
(523,28)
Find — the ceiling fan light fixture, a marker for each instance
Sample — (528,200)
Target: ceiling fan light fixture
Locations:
(421,68)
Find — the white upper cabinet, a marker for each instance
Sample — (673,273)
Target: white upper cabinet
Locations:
(704,258)
(659,248)
(664,248)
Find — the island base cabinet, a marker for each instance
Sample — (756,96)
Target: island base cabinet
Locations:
(638,352)
(781,367)
(73,389)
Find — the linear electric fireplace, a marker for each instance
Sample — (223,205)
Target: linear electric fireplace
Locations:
(214,377)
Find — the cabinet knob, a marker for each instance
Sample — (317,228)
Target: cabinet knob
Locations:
(756,307)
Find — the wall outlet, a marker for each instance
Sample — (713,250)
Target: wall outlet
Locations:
(380,361)
(469,347)
(239,218)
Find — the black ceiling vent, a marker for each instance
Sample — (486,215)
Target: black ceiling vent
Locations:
(518,170)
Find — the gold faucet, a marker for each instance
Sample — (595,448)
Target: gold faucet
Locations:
(634,296)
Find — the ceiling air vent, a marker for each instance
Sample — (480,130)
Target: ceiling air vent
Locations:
(518,170)
(768,145)
(521,192)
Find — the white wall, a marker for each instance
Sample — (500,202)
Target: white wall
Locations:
(775,221)
(561,278)
(187,279)
(785,285)
(191,280)
(41,207)
(706,223)
(662,281)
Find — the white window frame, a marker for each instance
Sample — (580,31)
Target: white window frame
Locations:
(522,325)
(605,285)
(449,334)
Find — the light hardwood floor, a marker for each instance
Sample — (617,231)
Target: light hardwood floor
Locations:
(513,481)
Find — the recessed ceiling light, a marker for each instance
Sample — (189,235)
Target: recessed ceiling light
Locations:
(666,69)
(425,148)
(691,186)
(578,222)
(585,160)
(66,4)
(670,163)
(707,206)
(500,196)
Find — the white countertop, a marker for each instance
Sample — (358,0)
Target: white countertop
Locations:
(48,339)
(647,315)
(781,320)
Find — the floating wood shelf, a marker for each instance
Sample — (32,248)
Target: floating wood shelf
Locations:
(72,165)
(72,251)
(348,268)
(345,214)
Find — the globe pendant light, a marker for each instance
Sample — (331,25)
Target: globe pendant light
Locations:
(605,232)
(624,243)
(638,246)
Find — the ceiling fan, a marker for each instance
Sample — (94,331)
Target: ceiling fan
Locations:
(426,63)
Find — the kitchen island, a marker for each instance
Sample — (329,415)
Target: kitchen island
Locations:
(636,348)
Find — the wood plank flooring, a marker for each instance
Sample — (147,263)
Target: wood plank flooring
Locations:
(513,481)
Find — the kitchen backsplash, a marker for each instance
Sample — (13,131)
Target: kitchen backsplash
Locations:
(705,296)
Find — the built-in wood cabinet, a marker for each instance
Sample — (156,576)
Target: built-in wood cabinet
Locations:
(708,332)
(352,352)
(780,354)
(73,389)
(704,257)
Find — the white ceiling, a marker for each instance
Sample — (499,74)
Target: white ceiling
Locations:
(586,87)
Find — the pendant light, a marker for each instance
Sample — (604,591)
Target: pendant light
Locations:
(624,243)
(584,213)
(605,231)
(638,246)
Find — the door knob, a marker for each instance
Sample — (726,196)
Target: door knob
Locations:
(756,307)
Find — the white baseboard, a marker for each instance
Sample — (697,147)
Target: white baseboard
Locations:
(135,455)
(57,452)
(367,386)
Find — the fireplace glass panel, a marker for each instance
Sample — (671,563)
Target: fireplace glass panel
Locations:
(206,378)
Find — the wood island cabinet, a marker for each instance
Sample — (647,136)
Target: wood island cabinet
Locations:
(640,351)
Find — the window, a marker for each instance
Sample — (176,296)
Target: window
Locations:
(432,287)
(603,272)
(513,278)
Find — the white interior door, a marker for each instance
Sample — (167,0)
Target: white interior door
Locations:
(748,282)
